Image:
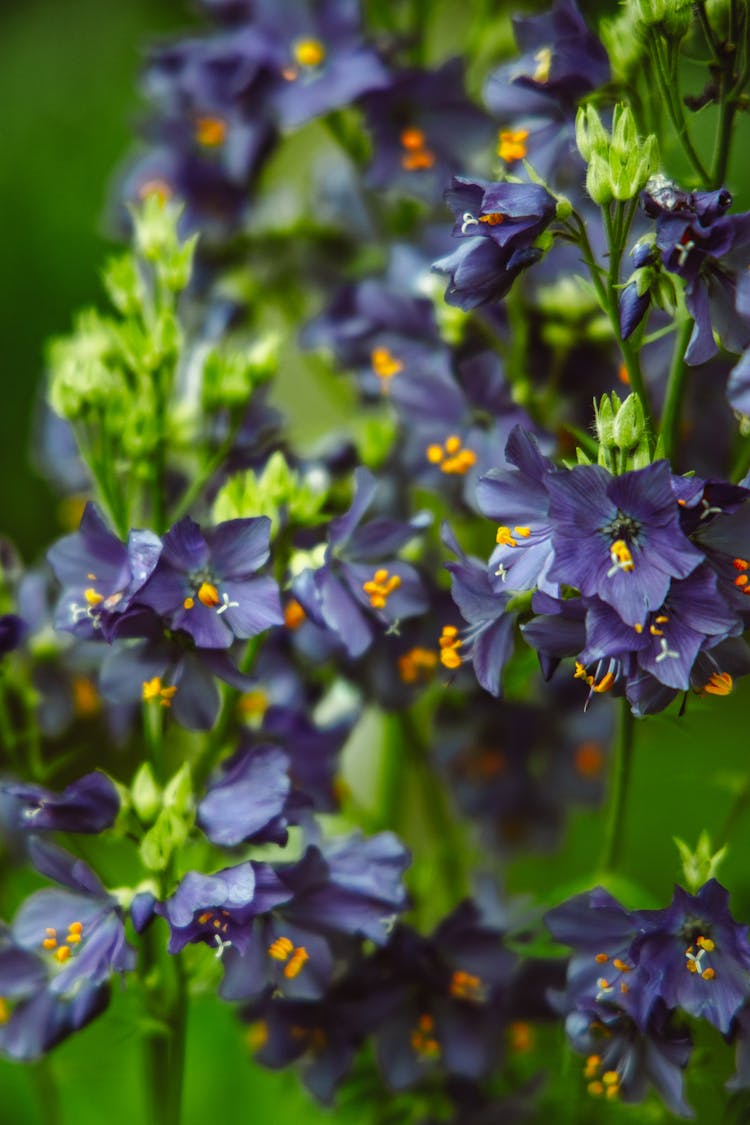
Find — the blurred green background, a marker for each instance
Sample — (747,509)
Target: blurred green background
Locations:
(68,71)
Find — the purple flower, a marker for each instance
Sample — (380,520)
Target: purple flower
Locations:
(360,578)
(706,248)
(100,575)
(424,130)
(205,583)
(619,537)
(536,95)
(88,805)
(57,960)
(500,223)
(694,956)
(219,909)
(248,800)
(517,500)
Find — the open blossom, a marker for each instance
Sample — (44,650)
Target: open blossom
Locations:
(619,537)
(206,584)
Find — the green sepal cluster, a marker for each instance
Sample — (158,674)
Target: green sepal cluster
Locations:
(622,434)
(619,163)
(279,492)
(701,863)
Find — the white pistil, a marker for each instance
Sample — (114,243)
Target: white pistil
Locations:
(683,249)
(227,604)
(708,510)
(501,572)
(666,651)
(468,221)
(221,946)
(394,629)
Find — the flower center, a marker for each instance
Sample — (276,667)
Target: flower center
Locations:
(721,683)
(380,587)
(61,950)
(416,156)
(210,132)
(293,959)
(417,664)
(154,689)
(742,581)
(467,986)
(452,457)
(308,53)
(385,365)
(695,957)
(512,144)
(450,642)
(423,1040)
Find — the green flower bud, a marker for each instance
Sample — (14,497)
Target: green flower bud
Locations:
(279,493)
(155,227)
(701,864)
(598,183)
(146,794)
(604,419)
(629,424)
(564,208)
(591,136)
(178,794)
(124,284)
(670,17)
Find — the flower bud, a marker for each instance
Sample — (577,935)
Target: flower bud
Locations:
(629,424)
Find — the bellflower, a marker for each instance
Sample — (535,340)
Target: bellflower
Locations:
(248,800)
(56,962)
(360,578)
(205,582)
(693,955)
(88,805)
(619,537)
(424,130)
(100,575)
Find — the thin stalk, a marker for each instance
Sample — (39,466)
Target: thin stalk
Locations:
(742,464)
(214,462)
(619,791)
(50,1110)
(607,295)
(674,397)
(670,93)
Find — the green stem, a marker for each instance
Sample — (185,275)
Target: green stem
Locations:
(742,464)
(737,810)
(671,94)
(215,461)
(50,1110)
(607,295)
(673,399)
(619,788)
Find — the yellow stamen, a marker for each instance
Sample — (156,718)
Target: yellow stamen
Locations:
(543,59)
(512,144)
(253,704)
(721,683)
(706,943)
(610,1078)
(601,958)
(595,1088)
(504,537)
(466,986)
(296,963)
(451,457)
(708,974)
(256,1035)
(380,587)
(49,943)
(208,595)
(85,696)
(605,683)
(385,364)
(63,953)
(280,949)
(210,131)
(294,614)
(417,156)
(309,52)
(413,139)
(152,688)
(589,759)
(204,917)
(4,1010)
(621,557)
(520,1036)
(92,597)
(449,643)
(188,603)
(417,664)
